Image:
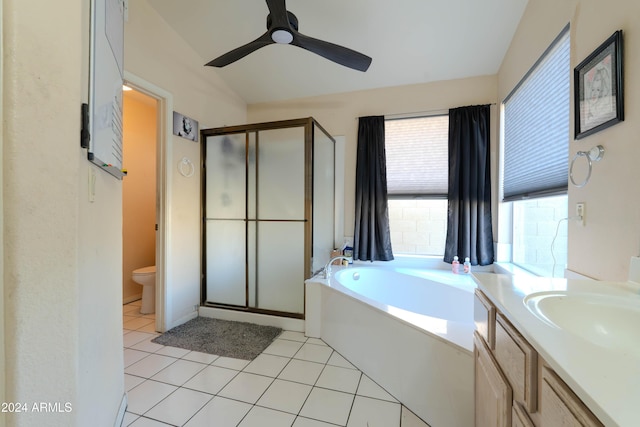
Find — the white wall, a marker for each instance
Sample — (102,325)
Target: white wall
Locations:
(154,52)
(62,254)
(2,323)
(602,248)
(338,114)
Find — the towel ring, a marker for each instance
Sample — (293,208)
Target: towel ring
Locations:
(186,168)
(593,155)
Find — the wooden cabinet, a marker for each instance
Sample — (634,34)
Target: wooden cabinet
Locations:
(520,417)
(519,362)
(560,406)
(492,386)
(513,385)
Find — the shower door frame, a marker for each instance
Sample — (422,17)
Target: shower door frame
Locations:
(308,125)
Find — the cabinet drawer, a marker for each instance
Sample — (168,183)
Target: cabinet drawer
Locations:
(484,314)
(560,406)
(519,362)
(519,416)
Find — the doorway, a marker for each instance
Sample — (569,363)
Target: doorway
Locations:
(153,168)
(139,194)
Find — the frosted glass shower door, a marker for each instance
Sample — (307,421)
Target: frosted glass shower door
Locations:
(281,220)
(323,197)
(263,234)
(225,214)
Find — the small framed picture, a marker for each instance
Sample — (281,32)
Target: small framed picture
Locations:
(185,127)
(598,88)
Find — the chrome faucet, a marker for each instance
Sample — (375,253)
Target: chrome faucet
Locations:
(326,271)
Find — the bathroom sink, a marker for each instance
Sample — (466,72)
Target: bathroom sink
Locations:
(609,321)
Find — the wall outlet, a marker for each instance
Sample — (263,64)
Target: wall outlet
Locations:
(580,212)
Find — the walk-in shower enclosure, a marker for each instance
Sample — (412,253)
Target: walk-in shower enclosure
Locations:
(268,214)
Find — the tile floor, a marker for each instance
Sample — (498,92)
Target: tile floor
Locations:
(296,382)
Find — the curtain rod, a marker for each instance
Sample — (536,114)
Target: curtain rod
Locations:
(421,113)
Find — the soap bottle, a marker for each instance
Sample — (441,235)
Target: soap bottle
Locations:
(455,265)
(467,265)
(348,252)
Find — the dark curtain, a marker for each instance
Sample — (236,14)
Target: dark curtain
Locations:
(372,240)
(469,231)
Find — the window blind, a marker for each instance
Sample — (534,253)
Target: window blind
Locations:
(536,127)
(417,156)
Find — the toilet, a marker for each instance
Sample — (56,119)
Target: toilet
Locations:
(146,276)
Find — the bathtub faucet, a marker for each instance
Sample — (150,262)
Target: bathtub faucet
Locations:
(326,271)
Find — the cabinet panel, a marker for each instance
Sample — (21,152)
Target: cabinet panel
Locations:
(519,416)
(560,406)
(493,393)
(484,314)
(518,361)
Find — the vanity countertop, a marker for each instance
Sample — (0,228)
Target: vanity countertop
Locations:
(607,380)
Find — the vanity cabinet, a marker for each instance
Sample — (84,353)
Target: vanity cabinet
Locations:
(491,384)
(561,407)
(513,385)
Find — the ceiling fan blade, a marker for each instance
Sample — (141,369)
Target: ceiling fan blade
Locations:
(278,11)
(333,52)
(241,52)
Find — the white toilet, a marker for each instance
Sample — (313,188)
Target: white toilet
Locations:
(146,276)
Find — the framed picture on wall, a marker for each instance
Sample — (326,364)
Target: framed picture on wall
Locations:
(185,127)
(598,88)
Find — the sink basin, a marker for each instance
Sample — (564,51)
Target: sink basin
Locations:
(609,321)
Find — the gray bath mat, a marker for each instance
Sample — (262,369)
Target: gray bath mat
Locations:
(239,340)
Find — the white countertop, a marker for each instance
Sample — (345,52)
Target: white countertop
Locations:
(607,381)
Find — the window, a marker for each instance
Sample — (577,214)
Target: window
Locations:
(535,157)
(417,183)
(540,235)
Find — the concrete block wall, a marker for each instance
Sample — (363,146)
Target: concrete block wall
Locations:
(418,226)
(536,223)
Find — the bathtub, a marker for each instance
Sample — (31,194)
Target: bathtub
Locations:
(408,329)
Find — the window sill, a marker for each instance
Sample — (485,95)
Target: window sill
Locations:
(512,269)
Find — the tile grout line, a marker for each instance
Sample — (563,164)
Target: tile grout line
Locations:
(353,402)
(242,370)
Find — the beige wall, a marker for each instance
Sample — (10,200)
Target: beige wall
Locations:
(138,189)
(2,322)
(62,254)
(338,114)
(602,248)
(611,236)
(154,52)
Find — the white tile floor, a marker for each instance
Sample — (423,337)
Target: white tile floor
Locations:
(296,382)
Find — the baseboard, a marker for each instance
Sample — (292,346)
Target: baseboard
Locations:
(286,323)
(183,319)
(121,411)
(131,298)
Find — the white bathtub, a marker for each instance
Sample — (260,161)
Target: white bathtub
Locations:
(410,330)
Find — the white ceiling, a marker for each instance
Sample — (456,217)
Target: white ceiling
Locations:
(410,41)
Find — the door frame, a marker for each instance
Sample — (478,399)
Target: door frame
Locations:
(163,193)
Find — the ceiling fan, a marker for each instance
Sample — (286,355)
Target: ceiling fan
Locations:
(282,27)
